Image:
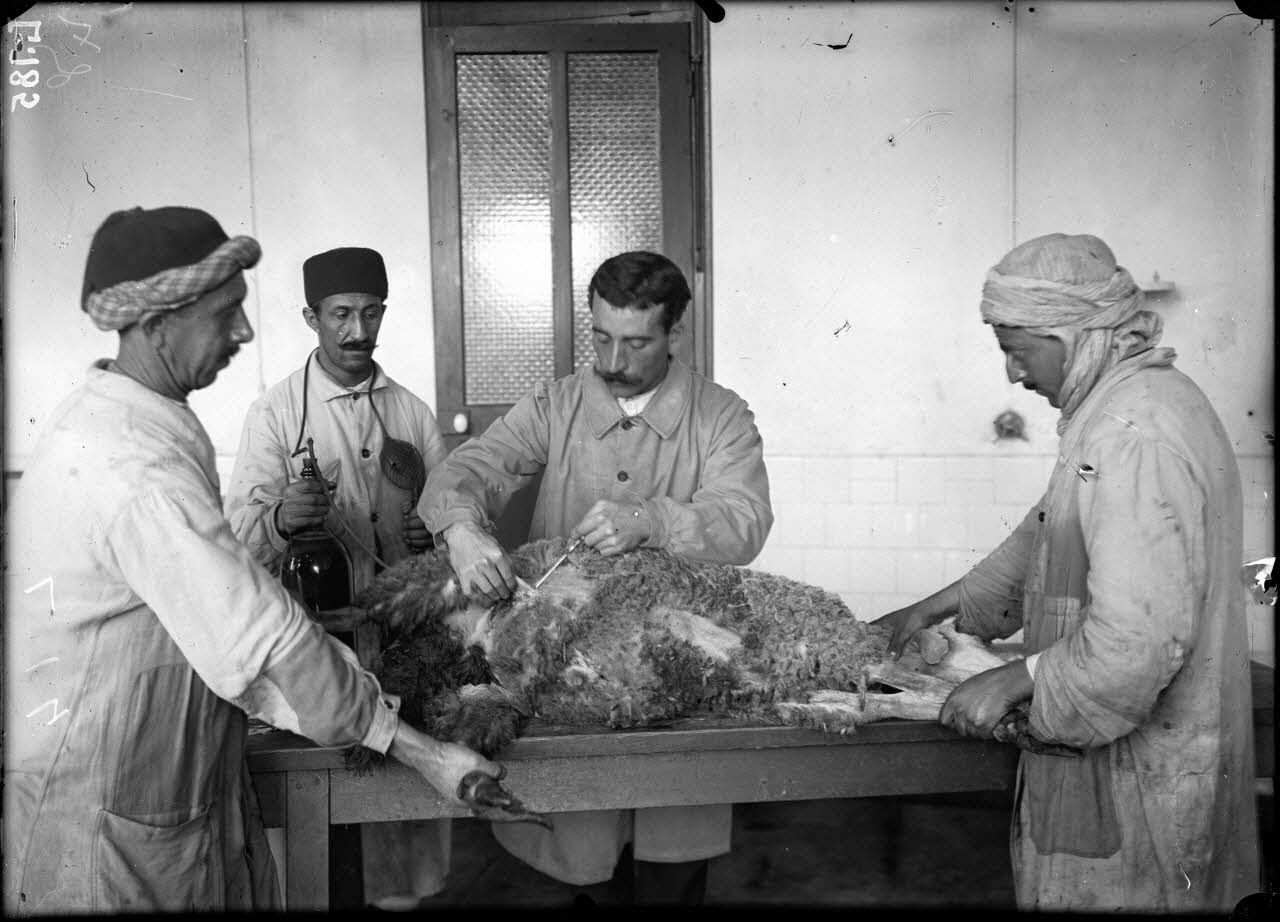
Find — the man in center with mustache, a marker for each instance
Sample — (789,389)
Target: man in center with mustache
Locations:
(635,451)
(350,408)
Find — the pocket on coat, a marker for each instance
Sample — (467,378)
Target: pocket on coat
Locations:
(139,867)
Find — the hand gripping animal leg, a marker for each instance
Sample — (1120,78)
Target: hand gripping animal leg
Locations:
(489,800)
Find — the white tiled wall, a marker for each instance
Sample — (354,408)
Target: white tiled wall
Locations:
(885,531)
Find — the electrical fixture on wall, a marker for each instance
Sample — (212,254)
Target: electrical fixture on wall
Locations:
(1010,425)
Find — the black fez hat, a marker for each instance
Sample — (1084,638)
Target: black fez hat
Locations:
(136,244)
(346,269)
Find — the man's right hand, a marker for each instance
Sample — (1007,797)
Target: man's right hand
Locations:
(304,505)
(482,566)
(904,624)
(443,764)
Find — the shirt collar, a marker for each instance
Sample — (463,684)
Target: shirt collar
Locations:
(663,413)
(325,388)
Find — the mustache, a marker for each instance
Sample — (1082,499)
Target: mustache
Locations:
(611,378)
(362,346)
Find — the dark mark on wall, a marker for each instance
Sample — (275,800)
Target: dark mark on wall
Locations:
(713,10)
(843,328)
(87,179)
(837,47)
(1010,425)
(1222,17)
(1257,9)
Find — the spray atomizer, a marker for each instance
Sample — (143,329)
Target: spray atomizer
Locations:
(316,566)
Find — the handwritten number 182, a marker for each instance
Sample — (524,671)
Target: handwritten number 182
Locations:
(25,79)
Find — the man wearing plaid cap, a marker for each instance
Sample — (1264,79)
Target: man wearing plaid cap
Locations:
(128,682)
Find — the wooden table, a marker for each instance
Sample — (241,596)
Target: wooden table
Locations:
(305,788)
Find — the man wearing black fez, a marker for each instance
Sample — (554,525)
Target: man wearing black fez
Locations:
(140,633)
(375,440)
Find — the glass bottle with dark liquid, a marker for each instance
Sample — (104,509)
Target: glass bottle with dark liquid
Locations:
(316,567)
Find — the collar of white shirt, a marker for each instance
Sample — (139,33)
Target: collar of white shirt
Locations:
(325,388)
(634,406)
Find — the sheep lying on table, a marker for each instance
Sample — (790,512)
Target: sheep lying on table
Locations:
(637,640)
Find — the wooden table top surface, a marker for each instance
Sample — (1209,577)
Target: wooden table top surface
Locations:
(277,750)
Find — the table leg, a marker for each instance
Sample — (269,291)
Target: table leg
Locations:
(307,840)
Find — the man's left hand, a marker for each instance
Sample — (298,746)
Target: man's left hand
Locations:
(416,535)
(613,528)
(978,703)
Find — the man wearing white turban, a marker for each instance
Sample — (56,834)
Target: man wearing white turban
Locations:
(1123,578)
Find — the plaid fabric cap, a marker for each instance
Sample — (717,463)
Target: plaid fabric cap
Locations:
(126,302)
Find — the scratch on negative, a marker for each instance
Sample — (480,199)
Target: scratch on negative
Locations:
(1133,425)
(1184,874)
(138,89)
(922,118)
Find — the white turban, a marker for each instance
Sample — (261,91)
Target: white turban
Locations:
(1070,288)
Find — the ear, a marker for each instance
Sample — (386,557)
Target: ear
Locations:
(310,317)
(677,332)
(152,326)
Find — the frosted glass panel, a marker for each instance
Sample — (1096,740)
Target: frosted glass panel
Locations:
(615,179)
(504,161)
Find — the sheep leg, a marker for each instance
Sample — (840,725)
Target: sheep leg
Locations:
(489,800)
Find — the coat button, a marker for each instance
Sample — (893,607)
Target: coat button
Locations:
(623,476)
(373,517)
(628,424)
(364,452)
(1042,517)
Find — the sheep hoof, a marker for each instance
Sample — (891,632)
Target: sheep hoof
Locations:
(489,800)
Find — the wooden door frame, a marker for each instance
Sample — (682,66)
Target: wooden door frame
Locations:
(687,213)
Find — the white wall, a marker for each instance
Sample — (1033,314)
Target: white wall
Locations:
(302,124)
(1139,122)
(158,119)
(339,159)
